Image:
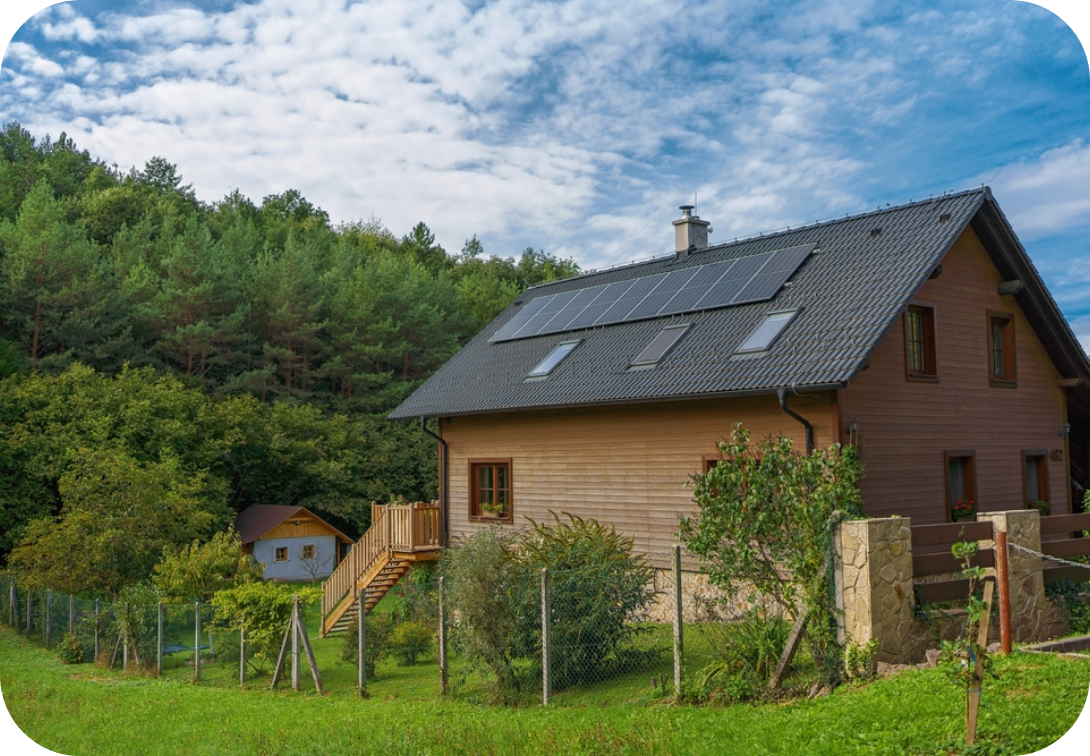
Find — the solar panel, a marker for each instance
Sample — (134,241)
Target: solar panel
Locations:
(755,278)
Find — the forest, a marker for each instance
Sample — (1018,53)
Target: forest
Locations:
(166,362)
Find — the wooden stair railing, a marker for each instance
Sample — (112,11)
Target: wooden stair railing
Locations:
(400,534)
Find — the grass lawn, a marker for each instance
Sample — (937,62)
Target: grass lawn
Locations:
(85,710)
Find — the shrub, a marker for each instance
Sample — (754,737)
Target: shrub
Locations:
(264,610)
(409,641)
(70,649)
(379,627)
(746,652)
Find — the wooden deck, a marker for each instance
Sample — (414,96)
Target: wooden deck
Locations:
(400,535)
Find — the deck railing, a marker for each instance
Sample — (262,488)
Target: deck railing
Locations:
(394,527)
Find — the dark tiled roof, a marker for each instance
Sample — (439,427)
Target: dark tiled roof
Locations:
(258,519)
(863,272)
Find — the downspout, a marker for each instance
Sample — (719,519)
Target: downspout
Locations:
(782,394)
(443,477)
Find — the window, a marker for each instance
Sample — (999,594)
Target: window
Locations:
(490,489)
(960,484)
(281,554)
(308,551)
(767,331)
(555,357)
(1035,476)
(920,343)
(1001,352)
(660,345)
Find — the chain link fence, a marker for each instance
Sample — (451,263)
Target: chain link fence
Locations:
(557,637)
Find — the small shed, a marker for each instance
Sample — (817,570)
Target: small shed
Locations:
(293,542)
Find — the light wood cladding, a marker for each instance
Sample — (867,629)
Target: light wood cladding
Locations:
(905,426)
(625,465)
(307,527)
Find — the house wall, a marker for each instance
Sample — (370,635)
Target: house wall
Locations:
(264,550)
(905,426)
(625,465)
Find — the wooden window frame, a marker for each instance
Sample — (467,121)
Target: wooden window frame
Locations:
(475,514)
(277,551)
(970,478)
(303,551)
(1043,489)
(1009,378)
(930,371)
(710,461)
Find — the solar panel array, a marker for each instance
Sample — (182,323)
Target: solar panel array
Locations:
(756,278)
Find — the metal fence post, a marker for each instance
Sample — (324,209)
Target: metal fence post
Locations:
(442,637)
(159,642)
(546,651)
(197,643)
(362,639)
(29,608)
(13,611)
(98,608)
(124,636)
(71,614)
(48,619)
(242,655)
(679,641)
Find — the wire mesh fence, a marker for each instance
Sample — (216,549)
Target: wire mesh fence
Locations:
(567,637)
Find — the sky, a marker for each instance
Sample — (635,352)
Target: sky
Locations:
(580,126)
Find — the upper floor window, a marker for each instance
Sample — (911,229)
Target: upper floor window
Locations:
(1001,342)
(920,343)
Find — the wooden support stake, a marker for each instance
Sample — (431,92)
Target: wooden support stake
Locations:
(295,642)
(973,702)
(361,637)
(679,628)
(159,641)
(442,637)
(1003,585)
(789,649)
(314,673)
(280,659)
(546,651)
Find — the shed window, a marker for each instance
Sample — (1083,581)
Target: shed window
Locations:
(281,554)
(765,333)
(555,357)
(660,345)
(308,551)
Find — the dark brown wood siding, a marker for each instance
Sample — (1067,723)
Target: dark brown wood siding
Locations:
(905,426)
(625,465)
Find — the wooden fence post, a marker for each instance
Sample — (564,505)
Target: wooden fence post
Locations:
(295,642)
(442,637)
(159,642)
(679,627)
(197,642)
(361,637)
(546,650)
(1003,585)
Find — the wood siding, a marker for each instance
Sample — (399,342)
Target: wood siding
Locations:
(306,528)
(624,465)
(905,426)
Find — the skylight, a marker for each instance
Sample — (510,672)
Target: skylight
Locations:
(765,333)
(555,357)
(660,345)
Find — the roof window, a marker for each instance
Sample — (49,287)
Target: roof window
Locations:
(547,365)
(660,345)
(767,331)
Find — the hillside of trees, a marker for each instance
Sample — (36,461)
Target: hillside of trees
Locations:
(222,354)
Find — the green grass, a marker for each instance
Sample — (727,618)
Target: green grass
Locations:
(85,710)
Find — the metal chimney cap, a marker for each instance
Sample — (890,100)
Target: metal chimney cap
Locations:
(686,210)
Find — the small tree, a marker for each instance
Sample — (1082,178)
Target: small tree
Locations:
(197,571)
(263,610)
(313,563)
(765,525)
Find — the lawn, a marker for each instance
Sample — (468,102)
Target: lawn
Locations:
(85,710)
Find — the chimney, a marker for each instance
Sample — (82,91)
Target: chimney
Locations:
(690,233)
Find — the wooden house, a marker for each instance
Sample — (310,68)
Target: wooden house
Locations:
(292,542)
(921,333)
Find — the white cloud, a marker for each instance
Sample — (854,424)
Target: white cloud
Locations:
(1047,195)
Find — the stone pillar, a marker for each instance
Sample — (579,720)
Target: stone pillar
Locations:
(1033,618)
(874,575)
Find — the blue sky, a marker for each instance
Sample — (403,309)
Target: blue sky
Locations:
(580,126)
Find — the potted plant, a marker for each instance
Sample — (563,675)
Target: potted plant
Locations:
(1041,506)
(494,511)
(964,509)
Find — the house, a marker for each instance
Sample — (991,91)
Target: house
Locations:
(921,333)
(292,542)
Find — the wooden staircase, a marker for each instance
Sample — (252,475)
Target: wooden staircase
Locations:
(400,536)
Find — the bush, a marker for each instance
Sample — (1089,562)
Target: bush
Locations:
(598,586)
(264,610)
(747,651)
(379,628)
(409,641)
(70,649)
